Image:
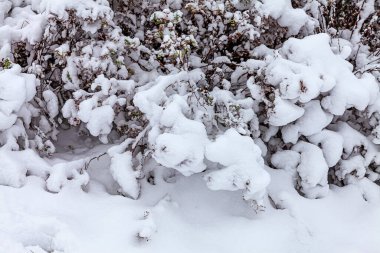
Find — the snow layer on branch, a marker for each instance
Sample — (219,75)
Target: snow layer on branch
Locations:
(27,23)
(90,10)
(296,81)
(312,122)
(286,159)
(122,170)
(183,146)
(356,143)
(96,108)
(239,111)
(374,112)
(281,112)
(311,67)
(284,112)
(243,166)
(148,100)
(287,16)
(312,170)
(51,103)
(64,172)
(5,7)
(351,169)
(22,24)
(331,144)
(16,90)
(14,166)
(99,119)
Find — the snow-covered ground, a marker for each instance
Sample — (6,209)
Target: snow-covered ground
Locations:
(185,216)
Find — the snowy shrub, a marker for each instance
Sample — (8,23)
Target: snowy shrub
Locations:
(225,89)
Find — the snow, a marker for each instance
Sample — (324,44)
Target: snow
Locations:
(183,147)
(318,221)
(52,103)
(284,112)
(15,165)
(347,90)
(122,170)
(331,144)
(100,120)
(293,19)
(308,67)
(312,170)
(63,173)
(15,96)
(352,169)
(353,139)
(77,222)
(312,122)
(188,126)
(243,166)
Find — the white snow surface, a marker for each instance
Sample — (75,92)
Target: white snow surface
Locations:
(187,218)
(181,213)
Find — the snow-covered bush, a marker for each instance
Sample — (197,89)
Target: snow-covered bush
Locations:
(220,88)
